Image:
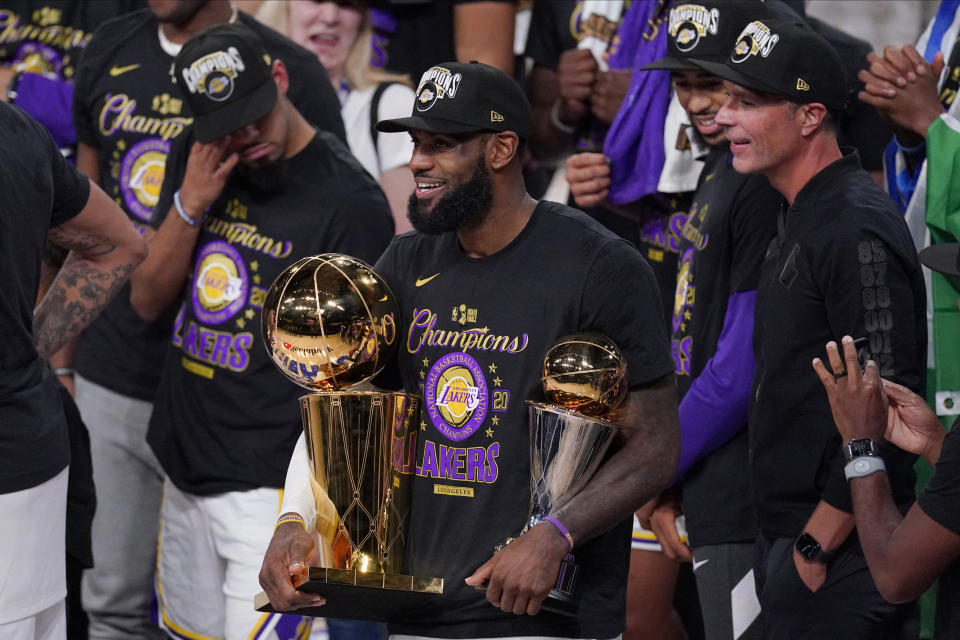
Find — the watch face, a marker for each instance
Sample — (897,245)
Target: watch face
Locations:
(861,447)
(808,546)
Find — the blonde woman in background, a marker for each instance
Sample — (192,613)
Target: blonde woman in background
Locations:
(340,34)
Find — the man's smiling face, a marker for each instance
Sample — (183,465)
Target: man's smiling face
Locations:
(762,129)
(453,186)
(701,94)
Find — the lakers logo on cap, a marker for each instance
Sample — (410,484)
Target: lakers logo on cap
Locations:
(755,39)
(802,85)
(214,74)
(690,22)
(436,83)
(426,97)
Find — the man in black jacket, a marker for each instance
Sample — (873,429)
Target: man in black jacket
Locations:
(842,263)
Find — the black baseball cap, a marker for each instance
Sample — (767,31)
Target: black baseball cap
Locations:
(457,97)
(704,31)
(224,73)
(784,56)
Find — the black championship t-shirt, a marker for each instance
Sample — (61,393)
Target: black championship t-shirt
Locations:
(225,418)
(48,36)
(127,105)
(482,327)
(659,230)
(941,501)
(40,190)
(842,264)
(731,222)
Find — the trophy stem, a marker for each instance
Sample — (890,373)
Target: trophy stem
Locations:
(353,441)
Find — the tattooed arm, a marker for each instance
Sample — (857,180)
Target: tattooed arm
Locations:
(104,248)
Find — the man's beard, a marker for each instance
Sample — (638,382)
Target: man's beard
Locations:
(464,205)
(266,178)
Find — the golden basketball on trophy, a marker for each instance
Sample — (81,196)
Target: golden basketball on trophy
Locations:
(329,324)
(585,373)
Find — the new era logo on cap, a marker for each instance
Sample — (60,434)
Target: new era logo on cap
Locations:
(802,86)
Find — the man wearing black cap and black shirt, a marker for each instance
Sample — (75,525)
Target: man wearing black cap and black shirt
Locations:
(730,224)
(133,125)
(842,263)
(488,282)
(262,188)
(906,553)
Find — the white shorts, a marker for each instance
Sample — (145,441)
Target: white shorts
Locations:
(33,569)
(646,540)
(209,555)
(49,624)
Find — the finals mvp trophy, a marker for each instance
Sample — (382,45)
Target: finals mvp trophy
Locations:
(330,324)
(584,378)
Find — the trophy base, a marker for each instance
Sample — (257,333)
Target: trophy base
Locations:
(361,596)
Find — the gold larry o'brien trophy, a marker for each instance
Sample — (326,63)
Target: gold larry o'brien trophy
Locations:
(330,323)
(584,378)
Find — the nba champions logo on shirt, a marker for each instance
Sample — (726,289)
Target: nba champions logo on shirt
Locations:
(436,83)
(456,395)
(214,74)
(690,22)
(755,39)
(219,283)
(141,176)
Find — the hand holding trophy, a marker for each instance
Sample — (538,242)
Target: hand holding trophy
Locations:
(329,323)
(584,379)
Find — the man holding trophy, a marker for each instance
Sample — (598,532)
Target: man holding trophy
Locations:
(488,283)
(262,188)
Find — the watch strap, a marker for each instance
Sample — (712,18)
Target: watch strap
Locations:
(810,548)
(863,466)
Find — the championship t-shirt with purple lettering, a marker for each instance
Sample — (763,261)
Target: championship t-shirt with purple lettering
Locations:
(224,418)
(473,336)
(127,106)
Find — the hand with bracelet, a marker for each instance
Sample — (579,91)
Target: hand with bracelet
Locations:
(286,563)
(521,575)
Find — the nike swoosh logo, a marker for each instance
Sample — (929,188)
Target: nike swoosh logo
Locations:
(116,71)
(697,565)
(423,281)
